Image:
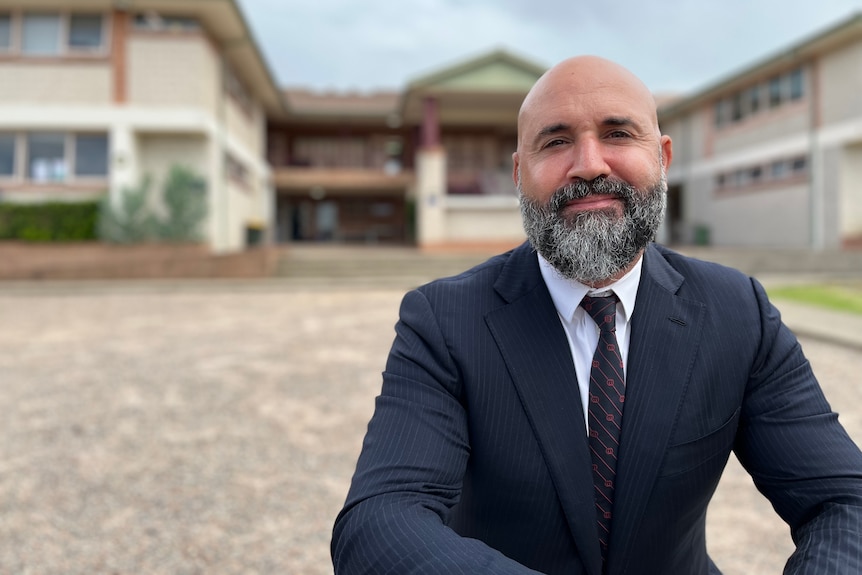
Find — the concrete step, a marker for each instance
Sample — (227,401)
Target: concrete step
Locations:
(343,262)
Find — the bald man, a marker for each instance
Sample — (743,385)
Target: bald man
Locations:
(568,407)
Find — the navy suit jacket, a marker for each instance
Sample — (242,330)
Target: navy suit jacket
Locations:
(476,459)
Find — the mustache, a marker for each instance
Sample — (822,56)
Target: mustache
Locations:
(601,186)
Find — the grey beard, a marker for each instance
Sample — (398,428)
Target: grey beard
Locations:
(594,246)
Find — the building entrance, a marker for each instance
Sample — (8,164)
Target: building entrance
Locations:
(351,220)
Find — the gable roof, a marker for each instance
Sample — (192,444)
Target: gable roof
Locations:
(487,89)
(498,70)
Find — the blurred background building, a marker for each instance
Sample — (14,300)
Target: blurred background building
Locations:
(97,94)
(772,155)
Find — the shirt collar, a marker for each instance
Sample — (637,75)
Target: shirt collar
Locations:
(567,294)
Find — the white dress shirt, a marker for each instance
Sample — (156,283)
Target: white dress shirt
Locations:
(581,331)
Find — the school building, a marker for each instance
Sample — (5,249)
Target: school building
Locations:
(772,155)
(97,94)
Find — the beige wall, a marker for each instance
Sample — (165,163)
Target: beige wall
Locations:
(466,224)
(788,121)
(35,83)
(158,152)
(850,210)
(841,84)
(246,126)
(688,134)
(768,218)
(166,70)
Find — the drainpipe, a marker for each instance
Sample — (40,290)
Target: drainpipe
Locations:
(815,168)
(219,180)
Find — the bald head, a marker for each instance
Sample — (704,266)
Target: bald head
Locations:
(588,77)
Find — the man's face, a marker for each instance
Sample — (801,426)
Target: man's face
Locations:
(590,169)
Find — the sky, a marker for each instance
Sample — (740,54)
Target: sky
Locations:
(674,46)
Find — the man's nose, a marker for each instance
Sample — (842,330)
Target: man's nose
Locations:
(588,160)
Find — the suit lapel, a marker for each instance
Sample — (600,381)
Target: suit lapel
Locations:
(534,345)
(665,335)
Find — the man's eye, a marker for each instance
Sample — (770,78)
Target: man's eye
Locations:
(553,143)
(619,134)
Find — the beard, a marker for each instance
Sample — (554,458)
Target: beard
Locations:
(594,246)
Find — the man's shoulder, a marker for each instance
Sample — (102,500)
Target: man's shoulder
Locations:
(702,275)
(483,274)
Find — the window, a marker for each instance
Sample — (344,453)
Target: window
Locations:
(736,113)
(7,154)
(41,34)
(778,169)
(85,31)
(236,170)
(5,32)
(158,22)
(752,99)
(236,90)
(54,33)
(722,112)
(754,174)
(54,156)
(798,165)
(91,155)
(796,84)
(775,92)
(46,157)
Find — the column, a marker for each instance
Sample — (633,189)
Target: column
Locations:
(430,179)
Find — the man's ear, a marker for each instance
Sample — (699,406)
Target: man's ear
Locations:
(515,163)
(666,151)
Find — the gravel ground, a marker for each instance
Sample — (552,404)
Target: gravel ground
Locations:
(213,428)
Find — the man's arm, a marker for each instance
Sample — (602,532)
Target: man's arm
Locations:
(799,456)
(412,464)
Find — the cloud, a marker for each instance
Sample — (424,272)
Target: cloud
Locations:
(671,44)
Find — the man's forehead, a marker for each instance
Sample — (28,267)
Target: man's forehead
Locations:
(589,85)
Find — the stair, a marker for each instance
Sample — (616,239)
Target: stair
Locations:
(341,262)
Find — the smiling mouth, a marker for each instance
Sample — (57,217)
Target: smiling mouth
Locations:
(594,202)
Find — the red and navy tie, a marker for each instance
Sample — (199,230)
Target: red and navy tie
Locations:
(607,396)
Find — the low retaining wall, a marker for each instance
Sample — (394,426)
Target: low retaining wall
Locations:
(20,261)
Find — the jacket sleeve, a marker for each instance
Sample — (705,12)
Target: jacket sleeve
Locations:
(410,471)
(799,455)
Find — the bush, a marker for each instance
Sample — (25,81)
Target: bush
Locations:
(185,200)
(131,220)
(49,221)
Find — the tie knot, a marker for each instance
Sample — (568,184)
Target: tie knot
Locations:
(603,310)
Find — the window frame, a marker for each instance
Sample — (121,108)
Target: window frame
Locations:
(74,148)
(85,49)
(71,176)
(10,48)
(16,156)
(65,49)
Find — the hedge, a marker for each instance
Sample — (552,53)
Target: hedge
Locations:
(49,221)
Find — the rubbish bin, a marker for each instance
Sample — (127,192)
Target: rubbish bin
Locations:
(701,235)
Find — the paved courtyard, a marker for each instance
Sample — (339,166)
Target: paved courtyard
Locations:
(213,427)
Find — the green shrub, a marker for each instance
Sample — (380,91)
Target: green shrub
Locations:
(131,220)
(185,200)
(49,221)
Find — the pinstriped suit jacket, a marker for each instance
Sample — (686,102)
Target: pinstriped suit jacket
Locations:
(476,459)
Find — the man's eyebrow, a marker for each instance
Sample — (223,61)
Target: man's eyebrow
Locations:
(619,121)
(550,130)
